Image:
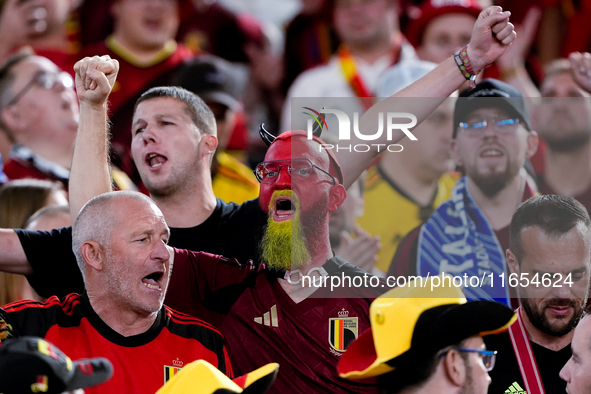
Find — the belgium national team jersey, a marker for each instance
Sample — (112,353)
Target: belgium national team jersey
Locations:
(392,214)
(142,363)
(262,324)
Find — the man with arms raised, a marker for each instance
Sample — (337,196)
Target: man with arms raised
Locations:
(120,242)
(550,238)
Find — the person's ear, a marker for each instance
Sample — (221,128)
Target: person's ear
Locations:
(210,142)
(512,262)
(455,368)
(115,9)
(532,143)
(12,118)
(93,254)
(338,194)
(453,150)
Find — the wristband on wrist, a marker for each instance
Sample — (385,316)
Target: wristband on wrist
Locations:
(463,63)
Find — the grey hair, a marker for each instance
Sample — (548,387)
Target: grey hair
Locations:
(96,221)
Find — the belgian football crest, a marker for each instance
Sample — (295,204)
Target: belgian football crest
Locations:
(342,330)
(170,371)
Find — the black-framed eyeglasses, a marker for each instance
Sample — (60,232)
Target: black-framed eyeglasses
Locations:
(46,80)
(298,169)
(501,126)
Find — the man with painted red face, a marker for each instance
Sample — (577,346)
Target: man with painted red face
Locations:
(269,316)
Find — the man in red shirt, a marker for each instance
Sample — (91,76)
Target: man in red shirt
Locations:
(120,242)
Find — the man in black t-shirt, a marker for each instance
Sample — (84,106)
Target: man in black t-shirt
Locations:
(550,247)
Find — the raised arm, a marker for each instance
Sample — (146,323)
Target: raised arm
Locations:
(491,36)
(581,65)
(89,176)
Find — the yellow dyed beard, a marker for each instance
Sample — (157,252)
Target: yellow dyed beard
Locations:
(284,244)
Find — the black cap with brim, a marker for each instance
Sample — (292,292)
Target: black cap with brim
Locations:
(491,93)
(416,321)
(447,325)
(30,364)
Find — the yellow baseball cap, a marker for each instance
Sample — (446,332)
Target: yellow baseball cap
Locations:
(416,320)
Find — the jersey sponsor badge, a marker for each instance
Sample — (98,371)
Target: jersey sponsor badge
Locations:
(170,371)
(342,330)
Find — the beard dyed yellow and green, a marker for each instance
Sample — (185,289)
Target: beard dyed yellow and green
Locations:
(284,244)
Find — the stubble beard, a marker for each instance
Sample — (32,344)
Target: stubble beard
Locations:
(468,386)
(540,321)
(571,143)
(492,184)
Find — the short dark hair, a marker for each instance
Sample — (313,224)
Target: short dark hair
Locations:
(197,110)
(555,215)
(414,373)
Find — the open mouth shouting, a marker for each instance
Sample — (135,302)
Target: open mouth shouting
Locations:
(155,161)
(283,206)
(491,152)
(154,280)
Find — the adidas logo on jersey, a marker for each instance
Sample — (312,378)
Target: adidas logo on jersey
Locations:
(515,388)
(269,318)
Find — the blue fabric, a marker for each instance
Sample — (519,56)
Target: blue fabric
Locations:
(3,178)
(457,239)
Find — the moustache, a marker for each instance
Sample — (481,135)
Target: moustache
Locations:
(560,302)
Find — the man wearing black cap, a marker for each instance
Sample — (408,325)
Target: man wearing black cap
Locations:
(468,234)
(550,247)
(425,338)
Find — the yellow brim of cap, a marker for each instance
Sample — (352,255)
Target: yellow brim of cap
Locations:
(500,329)
(199,377)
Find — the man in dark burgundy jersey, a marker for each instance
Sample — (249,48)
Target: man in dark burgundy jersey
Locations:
(172,146)
(120,242)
